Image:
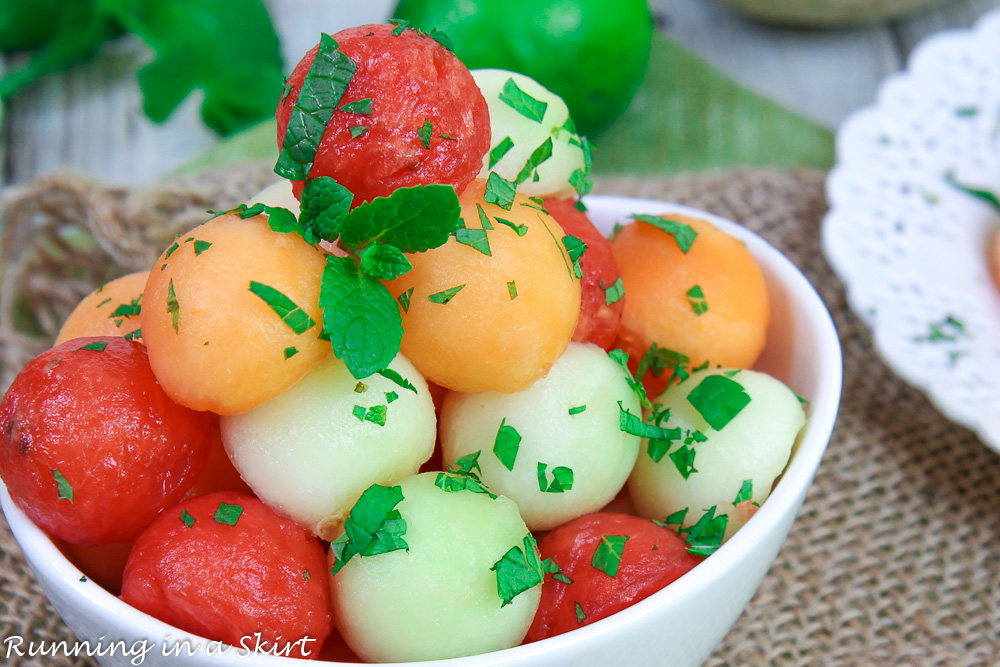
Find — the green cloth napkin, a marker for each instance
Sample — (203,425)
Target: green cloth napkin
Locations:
(686,116)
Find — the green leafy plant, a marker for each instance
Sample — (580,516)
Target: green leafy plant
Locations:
(228,50)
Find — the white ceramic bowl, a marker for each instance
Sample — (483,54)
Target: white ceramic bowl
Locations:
(678,626)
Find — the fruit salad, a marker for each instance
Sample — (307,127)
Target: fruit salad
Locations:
(408,403)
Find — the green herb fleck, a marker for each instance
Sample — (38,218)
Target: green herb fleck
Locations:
(499,191)
(512,289)
(614,293)
(718,399)
(360,388)
(360,107)
(134,334)
(173,306)
(608,555)
(696,298)
(96,346)
(520,230)
(374,527)
(394,376)
(376,414)
(705,537)
(745,492)
(401,25)
(171,250)
(519,570)
(521,102)
(537,157)
(499,151)
(186,518)
(228,514)
(466,464)
(634,425)
(359,411)
(290,352)
(391,396)
(474,238)
(484,220)
(108,300)
(620,357)
(683,233)
(293,316)
(577,410)
(445,296)
(404,300)
(580,616)
(201,246)
(562,479)
(358,130)
(425,132)
(507,444)
(575,247)
(64,488)
(683,458)
(453,482)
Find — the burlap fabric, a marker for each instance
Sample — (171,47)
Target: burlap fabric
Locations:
(894,559)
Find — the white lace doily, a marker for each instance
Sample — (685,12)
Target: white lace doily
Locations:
(905,235)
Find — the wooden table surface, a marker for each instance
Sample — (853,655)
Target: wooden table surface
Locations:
(89,119)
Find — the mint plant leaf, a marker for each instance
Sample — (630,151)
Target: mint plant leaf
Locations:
(413,219)
(384,262)
(321,91)
(324,205)
(360,317)
(718,399)
(682,232)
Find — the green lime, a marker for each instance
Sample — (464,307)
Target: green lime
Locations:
(592,53)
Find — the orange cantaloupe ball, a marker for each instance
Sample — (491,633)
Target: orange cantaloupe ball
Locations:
(658,277)
(482,339)
(213,343)
(92,316)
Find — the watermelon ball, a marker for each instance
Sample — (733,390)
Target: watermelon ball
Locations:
(91,447)
(602,293)
(225,567)
(412,114)
(608,562)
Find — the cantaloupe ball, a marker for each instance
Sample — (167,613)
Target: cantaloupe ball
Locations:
(310,452)
(231,314)
(438,598)
(555,448)
(709,303)
(748,452)
(521,125)
(93,315)
(478,322)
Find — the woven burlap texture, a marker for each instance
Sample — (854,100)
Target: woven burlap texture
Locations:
(893,559)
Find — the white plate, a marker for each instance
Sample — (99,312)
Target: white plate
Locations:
(911,246)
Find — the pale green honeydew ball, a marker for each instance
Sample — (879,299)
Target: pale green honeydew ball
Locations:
(277,194)
(311,451)
(755,445)
(568,420)
(438,598)
(527,133)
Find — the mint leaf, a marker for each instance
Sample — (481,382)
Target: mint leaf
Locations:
(321,91)
(324,205)
(392,375)
(575,247)
(454,482)
(373,527)
(499,151)
(173,307)
(614,293)
(634,425)
(520,230)
(404,300)
(658,359)
(506,445)
(474,238)
(696,299)
(466,464)
(64,488)
(718,399)
(608,555)
(499,191)
(620,357)
(484,219)
(537,157)
(96,346)
(683,233)
(413,219)
(200,247)
(360,107)
(360,317)
(425,133)
(297,319)
(562,479)
(705,537)
(131,309)
(683,458)
(384,262)
(522,102)
(445,296)
(228,514)
(745,493)
(519,570)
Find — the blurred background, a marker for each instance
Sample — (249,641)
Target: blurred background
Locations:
(733,82)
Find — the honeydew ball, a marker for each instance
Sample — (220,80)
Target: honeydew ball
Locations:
(311,451)
(754,445)
(526,133)
(438,598)
(566,429)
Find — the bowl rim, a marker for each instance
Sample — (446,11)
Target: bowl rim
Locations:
(786,495)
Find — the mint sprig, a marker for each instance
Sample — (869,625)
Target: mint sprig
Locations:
(374,527)
(322,89)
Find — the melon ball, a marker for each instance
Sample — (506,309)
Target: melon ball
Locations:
(496,305)
(231,314)
(445,594)
(555,448)
(697,291)
(739,425)
(310,452)
(526,117)
(110,310)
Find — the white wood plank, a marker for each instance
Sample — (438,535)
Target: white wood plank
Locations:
(822,74)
